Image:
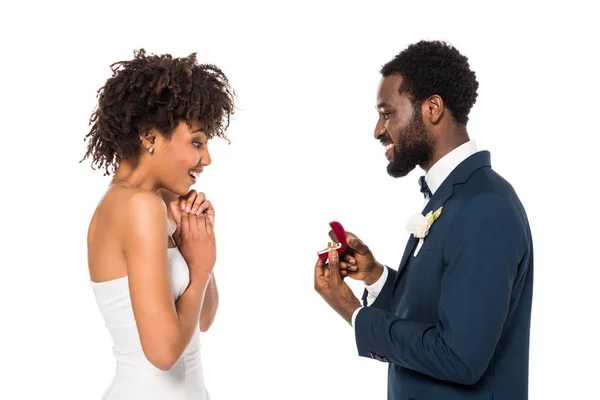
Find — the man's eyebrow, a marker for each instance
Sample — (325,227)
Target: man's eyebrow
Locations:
(382,105)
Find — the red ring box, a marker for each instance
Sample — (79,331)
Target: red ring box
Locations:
(340,240)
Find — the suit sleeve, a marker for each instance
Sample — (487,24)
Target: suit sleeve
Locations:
(482,257)
(382,300)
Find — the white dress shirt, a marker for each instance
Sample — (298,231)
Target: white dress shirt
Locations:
(436,175)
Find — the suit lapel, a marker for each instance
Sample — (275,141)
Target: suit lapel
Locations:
(439,199)
(458,176)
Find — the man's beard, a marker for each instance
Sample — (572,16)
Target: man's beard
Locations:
(416,144)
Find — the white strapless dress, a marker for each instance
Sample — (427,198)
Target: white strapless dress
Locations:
(135,376)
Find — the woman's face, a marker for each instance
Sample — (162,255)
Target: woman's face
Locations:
(181,159)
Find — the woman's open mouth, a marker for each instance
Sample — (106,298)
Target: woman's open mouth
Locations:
(194,175)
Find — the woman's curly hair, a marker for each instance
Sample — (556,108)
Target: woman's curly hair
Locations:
(155,92)
(435,67)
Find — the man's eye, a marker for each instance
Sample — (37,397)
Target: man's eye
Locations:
(386,116)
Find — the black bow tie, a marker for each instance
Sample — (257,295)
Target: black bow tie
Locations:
(424,188)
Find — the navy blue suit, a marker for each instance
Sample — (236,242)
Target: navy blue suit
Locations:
(453,322)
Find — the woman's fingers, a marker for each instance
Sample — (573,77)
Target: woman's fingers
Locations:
(188,201)
(197,206)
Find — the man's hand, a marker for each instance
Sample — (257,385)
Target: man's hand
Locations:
(331,286)
(358,262)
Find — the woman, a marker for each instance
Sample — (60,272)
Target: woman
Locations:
(151,244)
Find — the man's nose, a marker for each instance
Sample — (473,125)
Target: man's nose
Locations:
(379,131)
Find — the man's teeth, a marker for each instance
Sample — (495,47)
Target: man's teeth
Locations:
(389,146)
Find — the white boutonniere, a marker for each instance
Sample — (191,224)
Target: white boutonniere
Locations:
(420,224)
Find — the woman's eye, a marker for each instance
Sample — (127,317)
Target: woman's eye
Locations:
(198,144)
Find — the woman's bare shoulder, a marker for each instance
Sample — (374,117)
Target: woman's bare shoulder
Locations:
(130,200)
(132,209)
(122,216)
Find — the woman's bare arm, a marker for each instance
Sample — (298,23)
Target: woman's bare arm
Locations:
(165,329)
(209,305)
(210,302)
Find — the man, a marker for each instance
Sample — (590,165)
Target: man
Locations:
(453,320)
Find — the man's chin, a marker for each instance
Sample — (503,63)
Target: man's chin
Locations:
(396,171)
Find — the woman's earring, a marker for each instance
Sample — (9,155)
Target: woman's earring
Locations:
(150,150)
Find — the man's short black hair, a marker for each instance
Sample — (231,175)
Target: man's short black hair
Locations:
(434,67)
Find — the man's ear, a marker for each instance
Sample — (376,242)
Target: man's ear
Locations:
(433,109)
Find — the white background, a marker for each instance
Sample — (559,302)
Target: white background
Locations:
(302,154)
